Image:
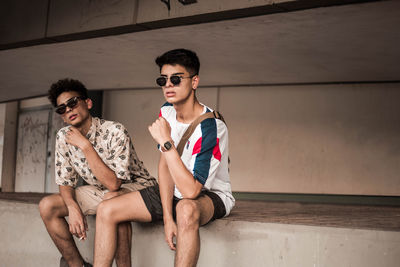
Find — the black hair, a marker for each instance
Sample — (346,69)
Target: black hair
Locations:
(183,57)
(66,85)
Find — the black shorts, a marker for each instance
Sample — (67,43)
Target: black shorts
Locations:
(152,199)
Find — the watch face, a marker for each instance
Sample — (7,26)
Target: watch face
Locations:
(167,145)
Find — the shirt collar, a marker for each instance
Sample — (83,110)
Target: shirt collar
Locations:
(93,127)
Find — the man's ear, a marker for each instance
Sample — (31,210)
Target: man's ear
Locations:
(89,103)
(195,82)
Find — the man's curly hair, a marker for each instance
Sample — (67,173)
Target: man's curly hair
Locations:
(66,85)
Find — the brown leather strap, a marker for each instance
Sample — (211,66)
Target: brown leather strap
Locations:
(189,131)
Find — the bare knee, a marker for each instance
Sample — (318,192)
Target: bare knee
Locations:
(49,207)
(188,214)
(105,212)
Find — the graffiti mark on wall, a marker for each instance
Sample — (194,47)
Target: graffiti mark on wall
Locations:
(31,151)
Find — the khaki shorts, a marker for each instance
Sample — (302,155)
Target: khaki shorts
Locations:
(90,196)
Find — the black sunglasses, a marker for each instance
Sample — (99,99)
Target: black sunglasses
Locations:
(71,103)
(175,79)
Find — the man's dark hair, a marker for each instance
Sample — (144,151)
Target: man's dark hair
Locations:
(66,85)
(183,57)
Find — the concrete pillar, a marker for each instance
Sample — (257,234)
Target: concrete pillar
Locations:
(2,119)
(9,130)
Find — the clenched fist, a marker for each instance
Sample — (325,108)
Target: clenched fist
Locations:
(160,130)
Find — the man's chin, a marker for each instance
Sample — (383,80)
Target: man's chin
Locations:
(76,123)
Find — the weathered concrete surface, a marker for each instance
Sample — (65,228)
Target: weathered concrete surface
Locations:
(22,20)
(67,17)
(24,242)
(23,238)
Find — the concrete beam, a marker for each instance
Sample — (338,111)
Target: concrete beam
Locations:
(22,20)
(27,23)
(70,17)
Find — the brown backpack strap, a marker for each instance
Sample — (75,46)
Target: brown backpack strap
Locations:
(189,131)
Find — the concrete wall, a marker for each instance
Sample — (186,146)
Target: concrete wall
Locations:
(313,139)
(336,139)
(329,139)
(224,243)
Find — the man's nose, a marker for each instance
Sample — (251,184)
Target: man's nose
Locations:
(169,83)
(67,109)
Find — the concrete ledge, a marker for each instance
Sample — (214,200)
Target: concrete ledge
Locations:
(26,197)
(25,242)
(300,211)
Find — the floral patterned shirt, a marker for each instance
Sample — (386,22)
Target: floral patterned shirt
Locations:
(114,146)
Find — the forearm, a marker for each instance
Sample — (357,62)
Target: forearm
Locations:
(77,222)
(181,176)
(189,187)
(166,189)
(68,195)
(102,172)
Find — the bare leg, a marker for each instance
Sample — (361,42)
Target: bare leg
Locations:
(190,214)
(127,207)
(124,244)
(53,210)
(124,239)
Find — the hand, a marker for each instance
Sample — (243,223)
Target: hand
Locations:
(160,130)
(75,138)
(170,231)
(77,222)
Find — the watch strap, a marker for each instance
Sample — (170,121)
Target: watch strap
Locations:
(164,148)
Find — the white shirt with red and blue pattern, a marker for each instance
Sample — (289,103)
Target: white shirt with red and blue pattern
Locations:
(205,153)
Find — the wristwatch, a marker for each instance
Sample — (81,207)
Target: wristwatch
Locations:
(167,146)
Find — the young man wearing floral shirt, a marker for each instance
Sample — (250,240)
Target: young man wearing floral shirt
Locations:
(102,154)
(194,188)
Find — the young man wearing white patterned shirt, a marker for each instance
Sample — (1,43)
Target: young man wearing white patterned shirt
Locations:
(102,154)
(194,187)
